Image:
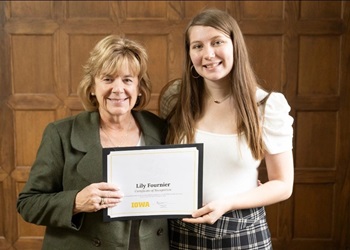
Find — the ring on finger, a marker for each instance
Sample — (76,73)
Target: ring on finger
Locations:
(102,201)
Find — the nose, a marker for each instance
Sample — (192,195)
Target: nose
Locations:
(209,53)
(117,86)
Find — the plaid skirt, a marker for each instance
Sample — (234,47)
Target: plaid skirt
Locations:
(238,229)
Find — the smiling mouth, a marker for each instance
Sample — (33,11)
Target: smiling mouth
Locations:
(117,100)
(212,65)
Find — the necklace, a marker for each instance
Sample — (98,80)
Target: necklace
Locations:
(218,101)
(125,136)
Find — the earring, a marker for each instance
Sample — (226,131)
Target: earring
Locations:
(93,94)
(139,94)
(197,76)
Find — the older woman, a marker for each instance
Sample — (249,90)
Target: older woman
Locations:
(65,191)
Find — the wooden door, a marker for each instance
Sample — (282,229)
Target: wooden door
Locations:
(300,48)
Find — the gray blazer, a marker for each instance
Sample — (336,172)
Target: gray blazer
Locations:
(69,159)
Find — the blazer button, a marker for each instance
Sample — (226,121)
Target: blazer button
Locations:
(160,231)
(96,242)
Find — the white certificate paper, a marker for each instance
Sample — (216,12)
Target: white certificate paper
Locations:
(161,181)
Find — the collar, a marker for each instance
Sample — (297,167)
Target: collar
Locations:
(85,129)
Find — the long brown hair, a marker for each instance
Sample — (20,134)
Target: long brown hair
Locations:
(189,108)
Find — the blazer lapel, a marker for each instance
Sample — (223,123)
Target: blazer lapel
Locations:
(90,165)
(86,139)
(151,135)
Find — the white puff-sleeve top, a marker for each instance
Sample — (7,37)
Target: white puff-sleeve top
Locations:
(228,165)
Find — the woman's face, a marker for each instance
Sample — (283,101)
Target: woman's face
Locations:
(211,52)
(116,94)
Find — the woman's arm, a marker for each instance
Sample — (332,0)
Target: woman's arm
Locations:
(280,168)
(42,200)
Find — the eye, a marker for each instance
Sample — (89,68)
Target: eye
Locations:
(196,46)
(107,79)
(217,42)
(128,80)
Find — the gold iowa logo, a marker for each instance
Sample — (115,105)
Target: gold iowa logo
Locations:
(140,204)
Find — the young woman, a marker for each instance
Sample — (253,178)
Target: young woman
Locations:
(218,102)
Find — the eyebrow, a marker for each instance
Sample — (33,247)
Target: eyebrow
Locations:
(128,76)
(212,38)
(111,75)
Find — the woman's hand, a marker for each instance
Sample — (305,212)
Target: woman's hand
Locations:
(97,196)
(209,213)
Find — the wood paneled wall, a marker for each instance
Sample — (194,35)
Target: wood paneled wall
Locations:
(300,48)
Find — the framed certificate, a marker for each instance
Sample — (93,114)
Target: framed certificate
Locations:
(157,181)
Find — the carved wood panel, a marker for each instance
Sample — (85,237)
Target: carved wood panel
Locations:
(300,48)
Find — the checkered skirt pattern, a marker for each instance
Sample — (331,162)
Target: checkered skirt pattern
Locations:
(237,230)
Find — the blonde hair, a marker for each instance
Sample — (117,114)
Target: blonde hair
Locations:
(108,57)
(189,107)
